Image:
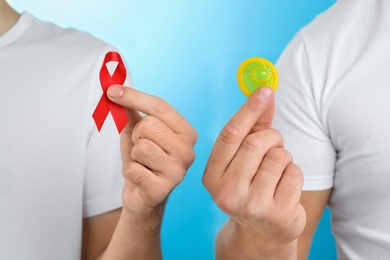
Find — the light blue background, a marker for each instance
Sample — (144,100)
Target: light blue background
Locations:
(188,52)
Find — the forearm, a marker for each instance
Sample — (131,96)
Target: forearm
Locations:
(136,238)
(235,243)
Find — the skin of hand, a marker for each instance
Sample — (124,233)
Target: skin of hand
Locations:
(252,178)
(156,150)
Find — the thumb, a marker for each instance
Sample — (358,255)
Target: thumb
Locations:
(265,120)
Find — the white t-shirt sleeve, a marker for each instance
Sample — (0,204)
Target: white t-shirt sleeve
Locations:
(103,181)
(297,117)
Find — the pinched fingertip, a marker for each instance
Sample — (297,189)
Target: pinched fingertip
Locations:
(115,91)
(264,93)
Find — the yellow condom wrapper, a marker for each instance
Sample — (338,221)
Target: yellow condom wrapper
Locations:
(256,72)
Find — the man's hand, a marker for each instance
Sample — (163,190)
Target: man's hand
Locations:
(157,150)
(251,177)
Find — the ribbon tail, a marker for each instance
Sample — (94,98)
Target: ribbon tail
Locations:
(101,112)
(119,115)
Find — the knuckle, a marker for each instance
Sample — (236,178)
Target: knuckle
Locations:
(137,150)
(275,134)
(152,126)
(142,180)
(161,131)
(146,148)
(178,118)
(224,204)
(294,173)
(226,201)
(253,212)
(193,135)
(188,155)
(128,169)
(184,154)
(206,181)
(179,168)
(229,134)
(252,142)
(190,136)
(209,181)
(136,174)
(146,123)
(264,139)
(179,174)
(160,106)
(278,156)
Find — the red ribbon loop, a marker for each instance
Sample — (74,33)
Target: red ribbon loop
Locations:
(105,105)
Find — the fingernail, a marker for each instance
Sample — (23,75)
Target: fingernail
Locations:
(264,93)
(115,91)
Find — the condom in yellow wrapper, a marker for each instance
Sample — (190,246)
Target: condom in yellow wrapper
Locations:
(256,72)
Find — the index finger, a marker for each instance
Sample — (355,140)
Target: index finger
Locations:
(149,104)
(254,115)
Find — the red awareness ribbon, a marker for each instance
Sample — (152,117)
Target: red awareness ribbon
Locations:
(105,105)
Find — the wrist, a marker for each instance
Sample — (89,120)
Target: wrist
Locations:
(149,220)
(252,245)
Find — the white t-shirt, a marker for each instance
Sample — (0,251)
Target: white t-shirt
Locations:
(55,168)
(333,106)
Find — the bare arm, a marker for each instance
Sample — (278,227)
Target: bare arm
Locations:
(314,203)
(136,238)
(141,238)
(97,233)
(157,150)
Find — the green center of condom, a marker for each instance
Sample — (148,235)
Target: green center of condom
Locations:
(257,75)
